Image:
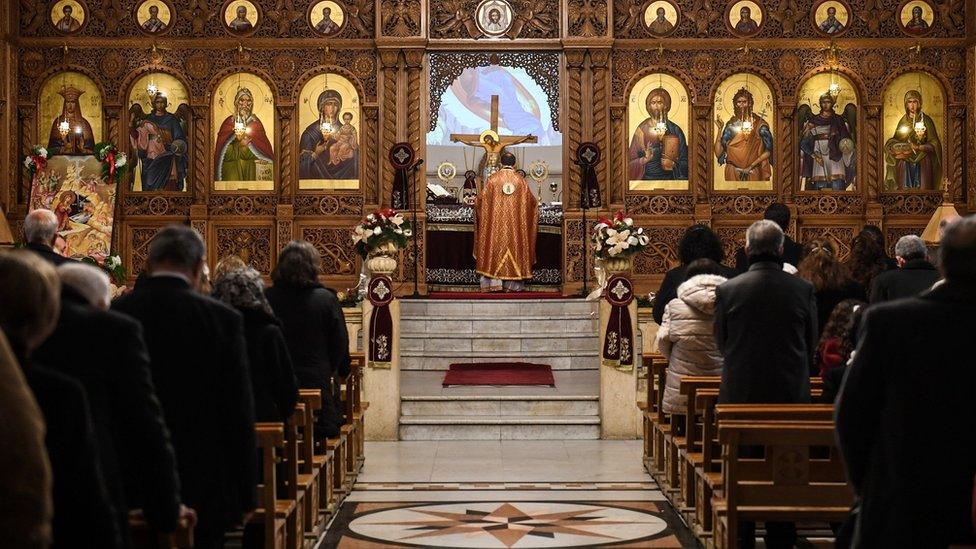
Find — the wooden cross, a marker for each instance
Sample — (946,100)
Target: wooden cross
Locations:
(474,139)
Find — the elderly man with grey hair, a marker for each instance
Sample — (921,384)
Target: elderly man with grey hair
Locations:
(134,448)
(766,330)
(40,232)
(914,275)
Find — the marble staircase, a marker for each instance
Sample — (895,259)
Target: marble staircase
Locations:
(558,332)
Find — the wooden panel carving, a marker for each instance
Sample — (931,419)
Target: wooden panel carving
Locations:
(252,244)
(531,19)
(661,254)
(242,205)
(840,237)
(587,18)
(156,206)
(329,205)
(334,244)
(668,204)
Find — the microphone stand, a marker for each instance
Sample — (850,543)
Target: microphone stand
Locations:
(413,211)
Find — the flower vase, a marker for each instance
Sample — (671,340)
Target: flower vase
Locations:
(382,259)
(617,265)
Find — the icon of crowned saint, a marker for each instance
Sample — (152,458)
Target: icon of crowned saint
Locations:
(80,139)
(507,215)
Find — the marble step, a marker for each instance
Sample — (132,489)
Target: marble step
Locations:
(442,360)
(485,324)
(488,342)
(500,406)
(447,427)
(499,307)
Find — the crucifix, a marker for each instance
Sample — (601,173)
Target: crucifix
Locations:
(489,139)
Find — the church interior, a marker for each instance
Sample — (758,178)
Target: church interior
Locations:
(538,273)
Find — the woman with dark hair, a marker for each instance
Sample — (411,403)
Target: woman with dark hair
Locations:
(874,232)
(272,378)
(867,259)
(831,281)
(836,345)
(698,242)
(315,329)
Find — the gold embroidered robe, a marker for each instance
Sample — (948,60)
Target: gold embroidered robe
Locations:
(506,227)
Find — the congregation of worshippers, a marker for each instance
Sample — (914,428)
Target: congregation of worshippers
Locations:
(151,438)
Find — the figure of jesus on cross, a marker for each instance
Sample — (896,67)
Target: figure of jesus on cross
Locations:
(493,144)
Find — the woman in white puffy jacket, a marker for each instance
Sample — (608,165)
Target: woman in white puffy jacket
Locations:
(687,333)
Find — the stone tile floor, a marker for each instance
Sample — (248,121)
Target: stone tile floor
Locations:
(572,493)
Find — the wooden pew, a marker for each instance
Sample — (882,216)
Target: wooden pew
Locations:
(700,467)
(143,536)
(785,485)
(271,512)
(317,458)
(660,421)
(307,475)
(293,491)
(648,408)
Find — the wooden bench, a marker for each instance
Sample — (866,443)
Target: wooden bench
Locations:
(317,456)
(784,485)
(143,535)
(272,513)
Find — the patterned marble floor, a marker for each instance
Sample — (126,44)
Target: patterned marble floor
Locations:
(519,494)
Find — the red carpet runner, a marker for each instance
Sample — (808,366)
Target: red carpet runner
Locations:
(499,373)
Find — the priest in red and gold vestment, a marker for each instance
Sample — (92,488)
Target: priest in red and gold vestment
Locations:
(506,216)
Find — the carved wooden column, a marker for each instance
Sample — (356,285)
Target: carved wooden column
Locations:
(371,184)
(787,152)
(201,154)
(413,62)
(113,131)
(872,174)
(286,161)
(574,125)
(618,176)
(390,61)
(27,124)
(600,117)
(700,166)
(954,172)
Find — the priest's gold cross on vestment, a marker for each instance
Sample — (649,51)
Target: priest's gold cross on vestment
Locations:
(499,142)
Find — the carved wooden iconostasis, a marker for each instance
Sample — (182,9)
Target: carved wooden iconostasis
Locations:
(732,91)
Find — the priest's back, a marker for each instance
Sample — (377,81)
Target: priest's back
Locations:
(506,216)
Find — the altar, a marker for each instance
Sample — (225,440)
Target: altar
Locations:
(450,240)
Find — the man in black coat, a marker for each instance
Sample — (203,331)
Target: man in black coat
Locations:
(133,441)
(766,328)
(40,231)
(913,276)
(792,252)
(905,419)
(199,366)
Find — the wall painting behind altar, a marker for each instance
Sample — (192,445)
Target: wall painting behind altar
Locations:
(159,110)
(744,145)
(914,123)
(658,120)
(244,129)
(329,121)
(73,98)
(826,122)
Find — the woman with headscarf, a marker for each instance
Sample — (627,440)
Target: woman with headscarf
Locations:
(272,377)
(913,155)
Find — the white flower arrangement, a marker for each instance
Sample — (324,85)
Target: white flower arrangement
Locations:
(37,159)
(385,226)
(618,237)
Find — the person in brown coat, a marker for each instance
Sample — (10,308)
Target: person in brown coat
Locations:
(25,473)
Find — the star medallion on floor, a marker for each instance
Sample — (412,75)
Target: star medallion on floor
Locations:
(523,524)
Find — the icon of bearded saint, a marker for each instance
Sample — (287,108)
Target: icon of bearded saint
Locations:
(80,138)
(236,159)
